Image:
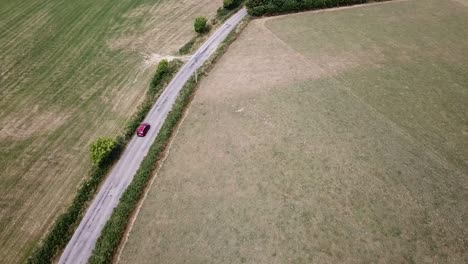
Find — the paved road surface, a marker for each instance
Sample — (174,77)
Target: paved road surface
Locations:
(81,245)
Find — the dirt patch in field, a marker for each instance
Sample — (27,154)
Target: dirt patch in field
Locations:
(268,61)
(463,2)
(31,122)
(174,26)
(259,62)
(153,59)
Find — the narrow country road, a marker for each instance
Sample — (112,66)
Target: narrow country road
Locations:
(81,246)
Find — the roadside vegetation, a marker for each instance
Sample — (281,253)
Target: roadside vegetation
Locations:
(274,7)
(102,149)
(229,8)
(201,25)
(164,73)
(114,230)
(104,152)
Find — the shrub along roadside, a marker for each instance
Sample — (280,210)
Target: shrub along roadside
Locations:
(222,14)
(200,25)
(231,4)
(63,228)
(188,47)
(225,12)
(114,230)
(229,7)
(274,7)
(102,149)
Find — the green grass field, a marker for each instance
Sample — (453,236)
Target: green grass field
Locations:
(71,71)
(336,136)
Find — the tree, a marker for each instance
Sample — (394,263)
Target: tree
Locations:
(228,4)
(200,24)
(101,149)
(231,4)
(163,68)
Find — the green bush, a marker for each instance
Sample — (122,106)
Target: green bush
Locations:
(231,4)
(187,48)
(228,4)
(161,71)
(224,13)
(101,149)
(200,25)
(272,7)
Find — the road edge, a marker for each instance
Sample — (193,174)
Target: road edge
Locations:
(131,221)
(117,226)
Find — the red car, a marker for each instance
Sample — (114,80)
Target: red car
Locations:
(143,129)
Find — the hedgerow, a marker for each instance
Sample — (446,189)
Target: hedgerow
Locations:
(229,7)
(273,7)
(187,48)
(63,228)
(114,229)
(231,4)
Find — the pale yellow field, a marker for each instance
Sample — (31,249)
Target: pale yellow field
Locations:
(71,71)
(322,137)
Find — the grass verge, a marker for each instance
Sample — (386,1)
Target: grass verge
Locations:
(114,230)
(63,228)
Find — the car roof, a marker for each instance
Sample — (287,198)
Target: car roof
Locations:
(142,126)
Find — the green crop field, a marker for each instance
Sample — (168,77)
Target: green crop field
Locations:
(71,71)
(337,136)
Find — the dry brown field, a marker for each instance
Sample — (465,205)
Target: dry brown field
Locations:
(336,136)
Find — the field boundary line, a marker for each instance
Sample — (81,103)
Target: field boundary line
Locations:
(284,44)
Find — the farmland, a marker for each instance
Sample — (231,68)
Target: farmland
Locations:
(322,137)
(71,71)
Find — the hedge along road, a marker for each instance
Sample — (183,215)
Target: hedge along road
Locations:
(81,246)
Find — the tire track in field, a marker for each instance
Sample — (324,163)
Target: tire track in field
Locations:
(27,209)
